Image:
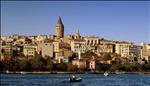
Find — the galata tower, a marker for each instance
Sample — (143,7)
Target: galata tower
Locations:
(59,29)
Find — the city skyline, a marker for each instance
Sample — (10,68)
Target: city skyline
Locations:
(125,21)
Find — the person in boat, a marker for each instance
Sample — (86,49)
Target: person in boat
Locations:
(106,73)
(73,76)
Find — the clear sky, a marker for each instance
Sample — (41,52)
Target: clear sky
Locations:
(114,20)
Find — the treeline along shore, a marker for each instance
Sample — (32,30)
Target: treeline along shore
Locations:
(39,65)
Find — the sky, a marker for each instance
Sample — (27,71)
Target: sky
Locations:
(113,20)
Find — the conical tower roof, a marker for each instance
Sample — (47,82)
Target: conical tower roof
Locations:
(59,21)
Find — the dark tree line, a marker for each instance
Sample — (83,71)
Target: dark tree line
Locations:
(37,63)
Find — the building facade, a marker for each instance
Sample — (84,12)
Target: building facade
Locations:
(29,50)
(78,45)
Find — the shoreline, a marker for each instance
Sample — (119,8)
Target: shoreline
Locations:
(62,72)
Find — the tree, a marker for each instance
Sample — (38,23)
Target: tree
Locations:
(62,66)
(107,56)
(88,54)
(36,63)
(49,65)
(72,57)
(22,64)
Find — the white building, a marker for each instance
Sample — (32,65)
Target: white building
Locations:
(78,45)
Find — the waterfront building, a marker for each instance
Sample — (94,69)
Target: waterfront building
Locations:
(80,63)
(92,63)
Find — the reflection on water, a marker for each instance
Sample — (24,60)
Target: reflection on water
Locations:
(63,80)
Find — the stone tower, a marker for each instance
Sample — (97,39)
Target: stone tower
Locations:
(59,29)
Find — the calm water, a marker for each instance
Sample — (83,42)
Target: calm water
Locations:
(63,80)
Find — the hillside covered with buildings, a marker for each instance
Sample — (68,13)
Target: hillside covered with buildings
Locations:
(73,52)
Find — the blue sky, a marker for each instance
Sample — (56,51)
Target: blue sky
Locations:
(114,20)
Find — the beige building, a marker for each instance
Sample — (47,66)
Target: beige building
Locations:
(106,47)
(92,40)
(80,63)
(145,51)
(47,49)
(62,51)
(92,64)
(40,38)
(29,50)
(7,38)
(92,43)
(78,45)
(7,48)
(23,40)
(122,48)
(128,50)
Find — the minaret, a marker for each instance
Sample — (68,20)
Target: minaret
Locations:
(78,33)
(59,29)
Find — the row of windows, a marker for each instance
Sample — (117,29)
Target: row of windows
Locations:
(30,52)
(93,41)
(79,46)
(76,50)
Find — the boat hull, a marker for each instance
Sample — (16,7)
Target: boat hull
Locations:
(75,79)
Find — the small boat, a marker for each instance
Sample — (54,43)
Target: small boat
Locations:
(75,79)
(106,74)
